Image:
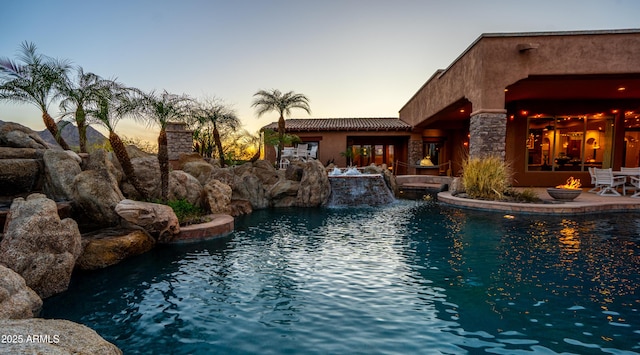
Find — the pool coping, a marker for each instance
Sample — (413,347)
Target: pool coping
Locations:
(586,203)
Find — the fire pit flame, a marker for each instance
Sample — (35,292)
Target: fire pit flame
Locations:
(571,184)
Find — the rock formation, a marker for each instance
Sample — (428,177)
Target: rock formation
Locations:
(184,186)
(96,193)
(60,337)
(60,167)
(110,246)
(39,246)
(314,186)
(17,300)
(217,196)
(159,220)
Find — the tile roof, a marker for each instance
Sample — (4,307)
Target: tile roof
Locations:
(342,124)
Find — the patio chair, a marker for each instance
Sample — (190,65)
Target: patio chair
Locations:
(313,153)
(592,173)
(284,163)
(301,151)
(634,180)
(608,183)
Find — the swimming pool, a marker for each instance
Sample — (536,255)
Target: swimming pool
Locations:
(409,278)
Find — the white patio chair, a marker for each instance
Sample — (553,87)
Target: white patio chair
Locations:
(633,183)
(284,163)
(592,173)
(301,151)
(608,182)
(313,153)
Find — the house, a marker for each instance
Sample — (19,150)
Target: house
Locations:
(552,104)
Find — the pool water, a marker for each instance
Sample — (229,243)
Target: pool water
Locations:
(409,278)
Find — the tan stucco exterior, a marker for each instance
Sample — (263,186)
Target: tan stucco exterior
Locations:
(495,61)
(555,73)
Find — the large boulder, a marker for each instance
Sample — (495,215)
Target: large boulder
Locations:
(60,168)
(248,187)
(18,136)
(266,172)
(389,178)
(96,193)
(189,157)
(39,246)
(159,220)
(284,193)
(17,300)
(54,336)
(110,246)
(147,170)
(20,176)
(199,169)
(184,186)
(102,160)
(218,197)
(314,187)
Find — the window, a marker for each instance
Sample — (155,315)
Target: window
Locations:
(569,143)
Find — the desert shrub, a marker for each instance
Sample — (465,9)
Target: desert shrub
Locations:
(486,178)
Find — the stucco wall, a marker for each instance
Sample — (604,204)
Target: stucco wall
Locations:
(496,61)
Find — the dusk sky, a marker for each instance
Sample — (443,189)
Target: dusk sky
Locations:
(352,58)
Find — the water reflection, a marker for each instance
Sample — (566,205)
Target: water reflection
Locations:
(408,278)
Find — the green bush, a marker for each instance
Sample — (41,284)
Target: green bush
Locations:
(186,212)
(486,178)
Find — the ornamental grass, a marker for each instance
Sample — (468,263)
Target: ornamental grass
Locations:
(487,178)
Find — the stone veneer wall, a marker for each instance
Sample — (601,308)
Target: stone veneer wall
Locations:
(179,140)
(487,135)
(415,151)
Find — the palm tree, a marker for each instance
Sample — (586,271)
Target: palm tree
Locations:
(33,81)
(213,112)
(113,103)
(161,109)
(77,94)
(274,100)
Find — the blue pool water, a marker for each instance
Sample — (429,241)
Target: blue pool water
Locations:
(410,278)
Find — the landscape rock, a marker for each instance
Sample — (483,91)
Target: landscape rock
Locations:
(457,186)
(314,187)
(266,172)
(240,207)
(39,246)
(102,160)
(284,193)
(294,171)
(18,136)
(184,186)
(159,220)
(62,337)
(199,169)
(17,300)
(21,153)
(110,246)
(20,175)
(147,170)
(189,157)
(225,175)
(218,197)
(248,187)
(61,168)
(96,193)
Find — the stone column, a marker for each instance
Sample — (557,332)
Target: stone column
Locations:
(487,133)
(179,140)
(415,154)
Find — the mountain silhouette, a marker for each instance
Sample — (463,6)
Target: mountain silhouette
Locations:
(70,135)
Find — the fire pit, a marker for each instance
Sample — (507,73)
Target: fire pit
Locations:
(566,192)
